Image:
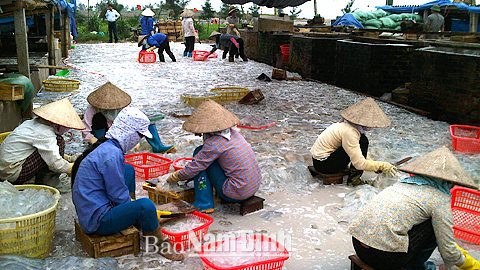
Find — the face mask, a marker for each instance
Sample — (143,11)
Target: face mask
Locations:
(59,130)
(110,114)
(145,43)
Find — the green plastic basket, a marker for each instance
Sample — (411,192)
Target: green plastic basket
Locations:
(63,73)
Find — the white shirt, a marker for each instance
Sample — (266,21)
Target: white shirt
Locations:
(188,28)
(112,15)
(22,142)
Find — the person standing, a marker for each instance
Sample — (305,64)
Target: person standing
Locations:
(232,21)
(435,22)
(112,15)
(188,31)
(160,41)
(147,22)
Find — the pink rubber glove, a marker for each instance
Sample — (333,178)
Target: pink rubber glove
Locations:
(235,43)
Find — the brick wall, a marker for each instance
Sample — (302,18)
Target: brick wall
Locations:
(250,39)
(314,57)
(447,85)
(269,47)
(374,69)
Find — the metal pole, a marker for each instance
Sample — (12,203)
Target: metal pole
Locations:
(88,9)
(314,7)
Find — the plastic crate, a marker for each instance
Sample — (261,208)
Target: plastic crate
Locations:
(229,94)
(61,85)
(272,264)
(181,240)
(163,197)
(148,165)
(465,138)
(3,136)
(29,235)
(200,55)
(174,164)
(195,99)
(147,57)
(285,51)
(466,215)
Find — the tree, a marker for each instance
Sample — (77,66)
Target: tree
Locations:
(348,7)
(254,10)
(102,6)
(294,13)
(208,11)
(241,13)
(81,6)
(174,7)
(224,10)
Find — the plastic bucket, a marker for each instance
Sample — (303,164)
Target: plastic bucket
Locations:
(285,51)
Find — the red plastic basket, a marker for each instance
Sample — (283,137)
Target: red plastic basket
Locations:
(465,138)
(148,165)
(200,55)
(147,57)
(285,51)
(177,168)
(181,241)
(466,215)
(272,264)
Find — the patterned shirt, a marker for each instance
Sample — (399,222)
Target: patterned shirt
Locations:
(384,223)
(237,159)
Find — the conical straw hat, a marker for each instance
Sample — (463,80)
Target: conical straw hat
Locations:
(440,164)
(148,13)
(140,39)
(60,112)
(187,13)
(210,117)
(214,33)
(109,97)
(366,113)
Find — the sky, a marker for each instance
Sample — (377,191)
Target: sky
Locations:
(327,8)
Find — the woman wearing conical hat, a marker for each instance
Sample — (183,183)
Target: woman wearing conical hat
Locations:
(146,22)
(189,33)
(233,45)
(36,147)
(403,224)
(232,21)
(105,103)
(345,142)
(225,161)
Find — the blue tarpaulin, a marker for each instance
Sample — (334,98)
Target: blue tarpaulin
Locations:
(441,3)
(348,19)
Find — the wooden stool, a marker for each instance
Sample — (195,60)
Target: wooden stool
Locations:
(252,204)
(334,178)
(121,243)
(357,264)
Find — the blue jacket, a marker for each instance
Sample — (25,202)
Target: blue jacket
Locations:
(147,25)
(99,185)
(156,39)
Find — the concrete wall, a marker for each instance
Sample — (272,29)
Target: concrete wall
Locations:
(269,47)
(446,82)
(10,115)
(250,39)
(374,69)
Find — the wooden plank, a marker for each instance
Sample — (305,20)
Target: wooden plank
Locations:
(118,252)
(86,244)
(11,92)
(65,26)
(49,20)
(21,39)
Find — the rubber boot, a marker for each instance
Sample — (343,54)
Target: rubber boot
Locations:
(185,54)
(99,133)
(156,143)
(231,59)
(190,54)
(203,193)
(165,247)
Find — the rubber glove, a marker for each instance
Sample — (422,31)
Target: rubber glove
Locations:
(92,140)
(135,149)
(151,49)
(381,166)
(470,263)
(67,157)
(173,177)
(69,171)
(236,32)
(235,42)
(162,213)
(71,158)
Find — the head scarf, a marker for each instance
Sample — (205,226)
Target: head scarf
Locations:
(226,133)
(360,129)
(110,114)
(59,130)
(127,126)
(420,180)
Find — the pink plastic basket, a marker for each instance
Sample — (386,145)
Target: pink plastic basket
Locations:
(147,57)
(272,264)
(176,167)
(148,165)
(181,240)
(200,55)
(466,215)
(465,138)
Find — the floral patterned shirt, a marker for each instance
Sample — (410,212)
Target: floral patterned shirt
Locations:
(384,222)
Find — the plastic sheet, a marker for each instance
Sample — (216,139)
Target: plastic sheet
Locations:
(356,200)
(17,262)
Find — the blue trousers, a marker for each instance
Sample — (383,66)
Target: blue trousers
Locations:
(125,215)
(216,176)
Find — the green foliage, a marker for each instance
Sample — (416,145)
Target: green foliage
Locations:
(93,24)
(96,24)
(294,13)
(348,7)
(241,13)
(223,13)
(208,11)
(102,6)
(174,7)
(81,6)
(204,30)
(254,10)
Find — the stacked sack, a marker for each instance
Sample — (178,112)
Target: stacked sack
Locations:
(383,20)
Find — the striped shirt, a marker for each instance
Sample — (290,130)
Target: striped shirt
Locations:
(237,159)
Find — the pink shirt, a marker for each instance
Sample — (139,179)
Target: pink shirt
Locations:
(87,122)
